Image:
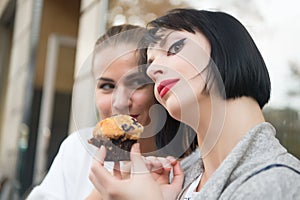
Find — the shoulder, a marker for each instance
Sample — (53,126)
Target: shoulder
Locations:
(74,147)
(278,182)
(78,138)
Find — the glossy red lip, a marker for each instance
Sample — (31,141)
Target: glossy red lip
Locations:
(165,86)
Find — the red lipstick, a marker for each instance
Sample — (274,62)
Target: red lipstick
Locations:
(165,86)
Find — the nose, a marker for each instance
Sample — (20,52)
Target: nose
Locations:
(154,71)
(122,100)
(157,60)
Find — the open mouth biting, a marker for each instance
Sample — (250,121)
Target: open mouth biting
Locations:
(134,116)
(164,86)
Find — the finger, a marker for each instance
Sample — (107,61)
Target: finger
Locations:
(178,176)
(166,163)
(98,186)
(138,165)
(126,166)
(100,176)
(157,166)
(117,171)
(171,163)
(125,169)
(147,163)
(171,160)
(101,154)
(154,164)
(93,177)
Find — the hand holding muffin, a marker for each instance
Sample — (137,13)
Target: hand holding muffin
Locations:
(141,178)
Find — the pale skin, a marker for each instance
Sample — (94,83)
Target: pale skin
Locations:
(221,123)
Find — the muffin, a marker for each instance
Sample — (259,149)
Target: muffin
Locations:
(117,133)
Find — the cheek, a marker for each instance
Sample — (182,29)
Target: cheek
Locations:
(197,55)
(144,98)
(173,107)
(187,70)
(104,105)
(180,67)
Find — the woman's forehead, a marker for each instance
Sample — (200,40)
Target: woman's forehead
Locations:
(114,51)
(124,62)
(109,55)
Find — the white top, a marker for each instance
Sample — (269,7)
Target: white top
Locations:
(68,177)
(191,192)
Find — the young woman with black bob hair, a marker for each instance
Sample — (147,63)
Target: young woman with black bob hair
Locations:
(209,74)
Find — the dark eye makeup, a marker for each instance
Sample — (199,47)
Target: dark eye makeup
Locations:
(176,47)
(105,86)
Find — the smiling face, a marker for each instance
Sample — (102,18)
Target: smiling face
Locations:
(121,88)
(177,66)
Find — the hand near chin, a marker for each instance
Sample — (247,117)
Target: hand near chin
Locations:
(141,185)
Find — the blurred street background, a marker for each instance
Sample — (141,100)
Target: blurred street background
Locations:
(45,50)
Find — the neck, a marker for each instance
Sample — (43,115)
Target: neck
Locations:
(240,116)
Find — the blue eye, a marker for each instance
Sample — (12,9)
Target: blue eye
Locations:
(176,47)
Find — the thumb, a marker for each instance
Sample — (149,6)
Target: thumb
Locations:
(138,164)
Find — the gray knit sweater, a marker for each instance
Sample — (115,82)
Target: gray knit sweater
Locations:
(258,167)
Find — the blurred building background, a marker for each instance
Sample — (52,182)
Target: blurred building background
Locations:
(45,50)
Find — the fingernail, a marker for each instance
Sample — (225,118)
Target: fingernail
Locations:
(102,148)
(101,154)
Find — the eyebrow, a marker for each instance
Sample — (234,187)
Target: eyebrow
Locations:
(164,40)
(105,79)
(134,75)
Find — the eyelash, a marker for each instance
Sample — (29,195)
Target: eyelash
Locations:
(103,85)
(172,50)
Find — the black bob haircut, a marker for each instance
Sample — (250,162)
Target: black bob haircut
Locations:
(233,51)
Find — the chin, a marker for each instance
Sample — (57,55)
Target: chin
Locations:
(144,122)
(173,109)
